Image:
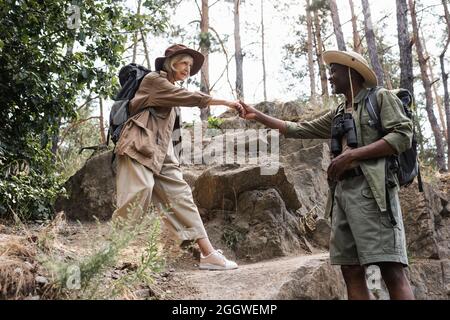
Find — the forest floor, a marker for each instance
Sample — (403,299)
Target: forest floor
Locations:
(26,252)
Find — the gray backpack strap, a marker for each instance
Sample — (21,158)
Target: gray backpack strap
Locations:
(373,109)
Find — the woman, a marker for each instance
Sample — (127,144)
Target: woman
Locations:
(147,169)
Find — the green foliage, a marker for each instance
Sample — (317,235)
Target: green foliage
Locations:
(232,236)
(47,61)
(214,122)
(28,188)
(41,76)
(74,136)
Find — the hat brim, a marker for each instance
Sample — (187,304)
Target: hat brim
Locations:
(341,57)
(196,56)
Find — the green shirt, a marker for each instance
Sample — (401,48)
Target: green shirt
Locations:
(396,125)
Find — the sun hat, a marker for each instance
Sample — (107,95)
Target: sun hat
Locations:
(353,60)
(180,49)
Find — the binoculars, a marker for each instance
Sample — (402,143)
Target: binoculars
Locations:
(343,125)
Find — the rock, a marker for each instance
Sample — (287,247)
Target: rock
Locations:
(299,187)
(427,224)
(41,280)
(321,234)
(319,280)
(316,280)
(91,191)
(446,275)
(305,170)
(265,280)
(275,232)
(430,279)
(142,293)
(190,175)
(221,183)
(221,147)
(233,122)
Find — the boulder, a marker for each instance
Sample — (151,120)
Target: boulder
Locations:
(266,227)
(427,221)
(220,186)
(430,279)
(315,280)
(321,233)
(306,170)
(91,191)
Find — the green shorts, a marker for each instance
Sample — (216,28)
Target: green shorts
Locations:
(360,233)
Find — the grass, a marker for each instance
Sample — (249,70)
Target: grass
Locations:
(232,236)
(79,274)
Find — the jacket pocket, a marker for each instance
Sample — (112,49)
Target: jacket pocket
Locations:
(145,140)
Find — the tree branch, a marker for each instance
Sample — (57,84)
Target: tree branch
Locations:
(199,10)
(221,75)
(213,3)
(86,102)
(131,46)
(226,57)
(73,125)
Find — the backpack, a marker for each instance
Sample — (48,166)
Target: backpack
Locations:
(130,77)
(405,165)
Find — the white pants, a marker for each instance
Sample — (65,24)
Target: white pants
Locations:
(138,188)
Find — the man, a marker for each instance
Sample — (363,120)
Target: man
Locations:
(367,226)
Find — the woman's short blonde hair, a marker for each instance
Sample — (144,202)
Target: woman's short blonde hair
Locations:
(170,62)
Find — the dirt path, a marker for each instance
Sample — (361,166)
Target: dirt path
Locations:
(252,281)
(180,278)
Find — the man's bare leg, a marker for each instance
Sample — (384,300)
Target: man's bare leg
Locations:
(355,280)
(394,276)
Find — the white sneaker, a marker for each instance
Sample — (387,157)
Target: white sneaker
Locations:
(216,261)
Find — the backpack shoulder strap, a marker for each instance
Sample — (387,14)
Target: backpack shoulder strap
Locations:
(373,108)
(340,109)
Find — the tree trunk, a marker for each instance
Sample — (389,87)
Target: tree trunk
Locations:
(371,43)
(136,33)
(357,43)
(337,25)
(440,159)
(101,122)
(312,76)
(436,95)
(406,65)
(147,55)
(387,76)
(262,49)
(405,46)
(445,78)
(319,51)
(204,49)
(238,52)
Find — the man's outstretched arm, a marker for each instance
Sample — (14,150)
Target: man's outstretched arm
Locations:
(319,128)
